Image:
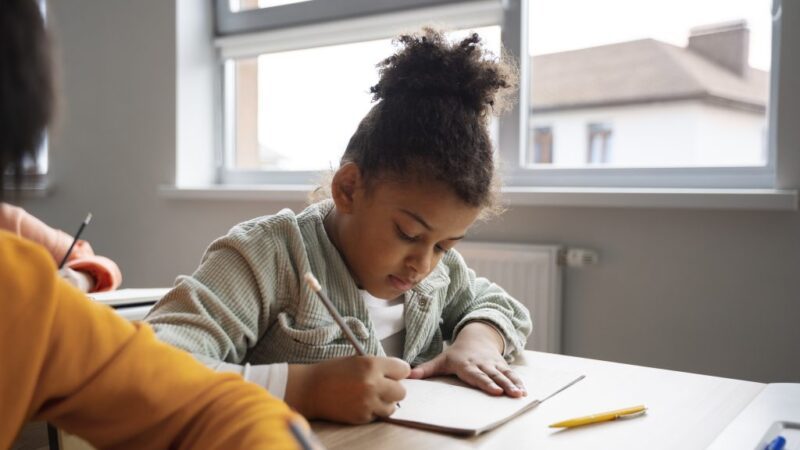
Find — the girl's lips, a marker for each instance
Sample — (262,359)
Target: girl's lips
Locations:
(399,283)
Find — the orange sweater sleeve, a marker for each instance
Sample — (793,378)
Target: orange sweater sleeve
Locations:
(104,271)
(80,366)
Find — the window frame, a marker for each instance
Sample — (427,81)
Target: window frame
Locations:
(516,174)
(310,12)
(309,24)
(34,177)
(305,27)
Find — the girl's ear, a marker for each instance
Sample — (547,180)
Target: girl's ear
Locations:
(346,182)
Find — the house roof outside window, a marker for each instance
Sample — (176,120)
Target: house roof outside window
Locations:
(712,68)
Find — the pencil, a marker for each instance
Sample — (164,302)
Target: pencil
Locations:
(316,287)
(300,435)
(75,241)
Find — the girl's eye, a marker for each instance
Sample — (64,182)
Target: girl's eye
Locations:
(403,235)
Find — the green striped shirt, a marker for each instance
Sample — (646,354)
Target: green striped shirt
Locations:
(248,303)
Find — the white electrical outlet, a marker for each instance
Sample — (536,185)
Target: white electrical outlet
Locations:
(579,257)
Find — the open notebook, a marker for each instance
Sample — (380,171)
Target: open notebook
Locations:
(129,296)
(449,405)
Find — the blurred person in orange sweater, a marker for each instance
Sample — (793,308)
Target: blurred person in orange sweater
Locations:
(75,363)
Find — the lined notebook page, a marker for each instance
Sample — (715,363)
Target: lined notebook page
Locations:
(449,405)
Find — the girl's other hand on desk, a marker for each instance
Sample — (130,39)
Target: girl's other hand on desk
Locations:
(475,357)
(355,389)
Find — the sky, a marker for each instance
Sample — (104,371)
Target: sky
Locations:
(559,25)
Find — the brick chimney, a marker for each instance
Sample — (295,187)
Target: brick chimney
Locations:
(726,44)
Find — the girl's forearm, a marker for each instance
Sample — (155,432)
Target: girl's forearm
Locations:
(481,332)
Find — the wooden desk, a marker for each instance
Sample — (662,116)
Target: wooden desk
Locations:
(685,411)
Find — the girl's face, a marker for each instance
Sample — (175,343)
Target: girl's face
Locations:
(392,237)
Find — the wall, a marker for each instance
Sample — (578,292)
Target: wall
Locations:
(678,133)
(715,292)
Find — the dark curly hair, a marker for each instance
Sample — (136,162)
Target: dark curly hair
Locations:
(26,87)
(435,99)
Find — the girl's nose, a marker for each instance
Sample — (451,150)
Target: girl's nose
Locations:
(420,261)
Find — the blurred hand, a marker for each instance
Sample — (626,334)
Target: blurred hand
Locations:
(475,358)
(80,280)
(355,389)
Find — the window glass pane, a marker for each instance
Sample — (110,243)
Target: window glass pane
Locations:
(626,83)
(296,110)
(39,165)
(244,5)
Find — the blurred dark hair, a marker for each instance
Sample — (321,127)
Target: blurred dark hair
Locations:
(431,121)
(26,88)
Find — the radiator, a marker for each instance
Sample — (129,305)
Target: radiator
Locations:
(532,275)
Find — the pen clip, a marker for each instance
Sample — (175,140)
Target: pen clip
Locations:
(632,415)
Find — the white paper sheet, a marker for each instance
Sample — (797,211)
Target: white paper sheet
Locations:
(447,404)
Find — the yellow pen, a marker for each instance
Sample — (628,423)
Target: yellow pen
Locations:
(624,413)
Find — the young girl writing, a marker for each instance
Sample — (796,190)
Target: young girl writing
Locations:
(415,176)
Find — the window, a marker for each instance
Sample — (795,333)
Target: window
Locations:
(542,146)
(686,86)
(34,169)
(296,110)
(598,147)
(293,97)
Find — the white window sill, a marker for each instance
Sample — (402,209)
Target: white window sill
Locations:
(737,199)
(260,192)
(742,199)
(31,187)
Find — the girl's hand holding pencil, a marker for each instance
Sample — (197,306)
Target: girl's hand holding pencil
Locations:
(354,389)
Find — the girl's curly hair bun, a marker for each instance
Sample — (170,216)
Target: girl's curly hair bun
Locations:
(430,121)
(428,65)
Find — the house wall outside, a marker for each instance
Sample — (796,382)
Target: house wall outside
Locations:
(734,137)
(660,134)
